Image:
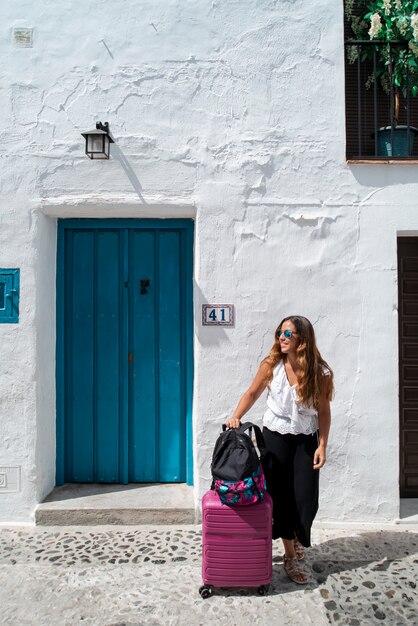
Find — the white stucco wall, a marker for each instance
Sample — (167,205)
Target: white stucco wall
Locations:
(231,112)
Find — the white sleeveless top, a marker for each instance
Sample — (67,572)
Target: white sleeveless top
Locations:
(285,414)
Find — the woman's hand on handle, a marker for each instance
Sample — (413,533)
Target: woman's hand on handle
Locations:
(233,422)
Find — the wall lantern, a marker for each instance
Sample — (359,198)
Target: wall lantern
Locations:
(98,141)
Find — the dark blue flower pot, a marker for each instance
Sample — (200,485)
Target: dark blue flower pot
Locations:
(403,141)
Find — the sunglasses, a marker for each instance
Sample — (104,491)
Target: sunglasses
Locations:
(287,333)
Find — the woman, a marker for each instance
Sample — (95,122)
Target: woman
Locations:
(295,426)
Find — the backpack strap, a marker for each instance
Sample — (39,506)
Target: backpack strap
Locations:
(258,436)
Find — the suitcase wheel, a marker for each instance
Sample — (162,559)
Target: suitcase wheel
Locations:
(262,590)
(206,591)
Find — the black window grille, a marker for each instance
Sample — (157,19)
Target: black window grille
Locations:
(380,123)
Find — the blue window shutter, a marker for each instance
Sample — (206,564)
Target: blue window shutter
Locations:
(9,296)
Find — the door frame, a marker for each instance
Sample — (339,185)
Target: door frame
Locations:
(187,226)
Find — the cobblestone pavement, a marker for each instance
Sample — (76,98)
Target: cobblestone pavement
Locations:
(136,576)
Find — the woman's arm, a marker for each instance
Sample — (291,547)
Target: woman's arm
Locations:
(250,397)
(324,424)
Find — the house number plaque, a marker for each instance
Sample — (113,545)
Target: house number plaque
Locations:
(217,314)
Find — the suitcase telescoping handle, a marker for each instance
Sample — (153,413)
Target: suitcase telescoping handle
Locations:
(258,435)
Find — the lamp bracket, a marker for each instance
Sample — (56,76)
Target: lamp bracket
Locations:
(104,127)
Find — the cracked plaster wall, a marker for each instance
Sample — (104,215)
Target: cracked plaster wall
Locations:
(235,109)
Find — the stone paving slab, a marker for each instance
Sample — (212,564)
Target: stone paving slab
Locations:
(150,575)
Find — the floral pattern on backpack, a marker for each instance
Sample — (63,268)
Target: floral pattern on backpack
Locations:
(246,491)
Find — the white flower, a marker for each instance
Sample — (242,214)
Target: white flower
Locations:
(352,54)
(413,47)
(403,26)
(375,25)
(414,24)
(398,5)
(386,7)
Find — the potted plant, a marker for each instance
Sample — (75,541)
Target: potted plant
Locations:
(393,25)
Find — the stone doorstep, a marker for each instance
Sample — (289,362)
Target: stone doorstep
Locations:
(132,504)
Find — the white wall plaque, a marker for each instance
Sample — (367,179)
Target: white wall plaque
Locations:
(23,37)
(217,314)
(10,479)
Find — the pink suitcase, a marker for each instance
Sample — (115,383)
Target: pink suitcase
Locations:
(236,544)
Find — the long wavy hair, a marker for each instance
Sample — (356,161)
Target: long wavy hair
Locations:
(314,375)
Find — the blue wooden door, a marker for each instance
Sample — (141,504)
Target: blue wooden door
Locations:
(124,351)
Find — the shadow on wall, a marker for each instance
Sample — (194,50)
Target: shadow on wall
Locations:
(378,176)
(208,335)
(118,155)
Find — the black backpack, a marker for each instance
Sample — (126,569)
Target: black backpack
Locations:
(237,473)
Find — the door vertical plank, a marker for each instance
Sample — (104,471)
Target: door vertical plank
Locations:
(63,255)
(143,401)
(124,381)
(80,399)
(171,417)
(67,341)
(187,321)
(107,356)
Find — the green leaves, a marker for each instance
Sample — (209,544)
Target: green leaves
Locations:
(396,64)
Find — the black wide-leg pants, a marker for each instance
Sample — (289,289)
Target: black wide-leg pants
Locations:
(292,483)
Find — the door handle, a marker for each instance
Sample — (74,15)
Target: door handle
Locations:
(144,286)
(130,358)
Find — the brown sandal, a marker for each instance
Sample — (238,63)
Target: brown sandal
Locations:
(299,549)
(294,570)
